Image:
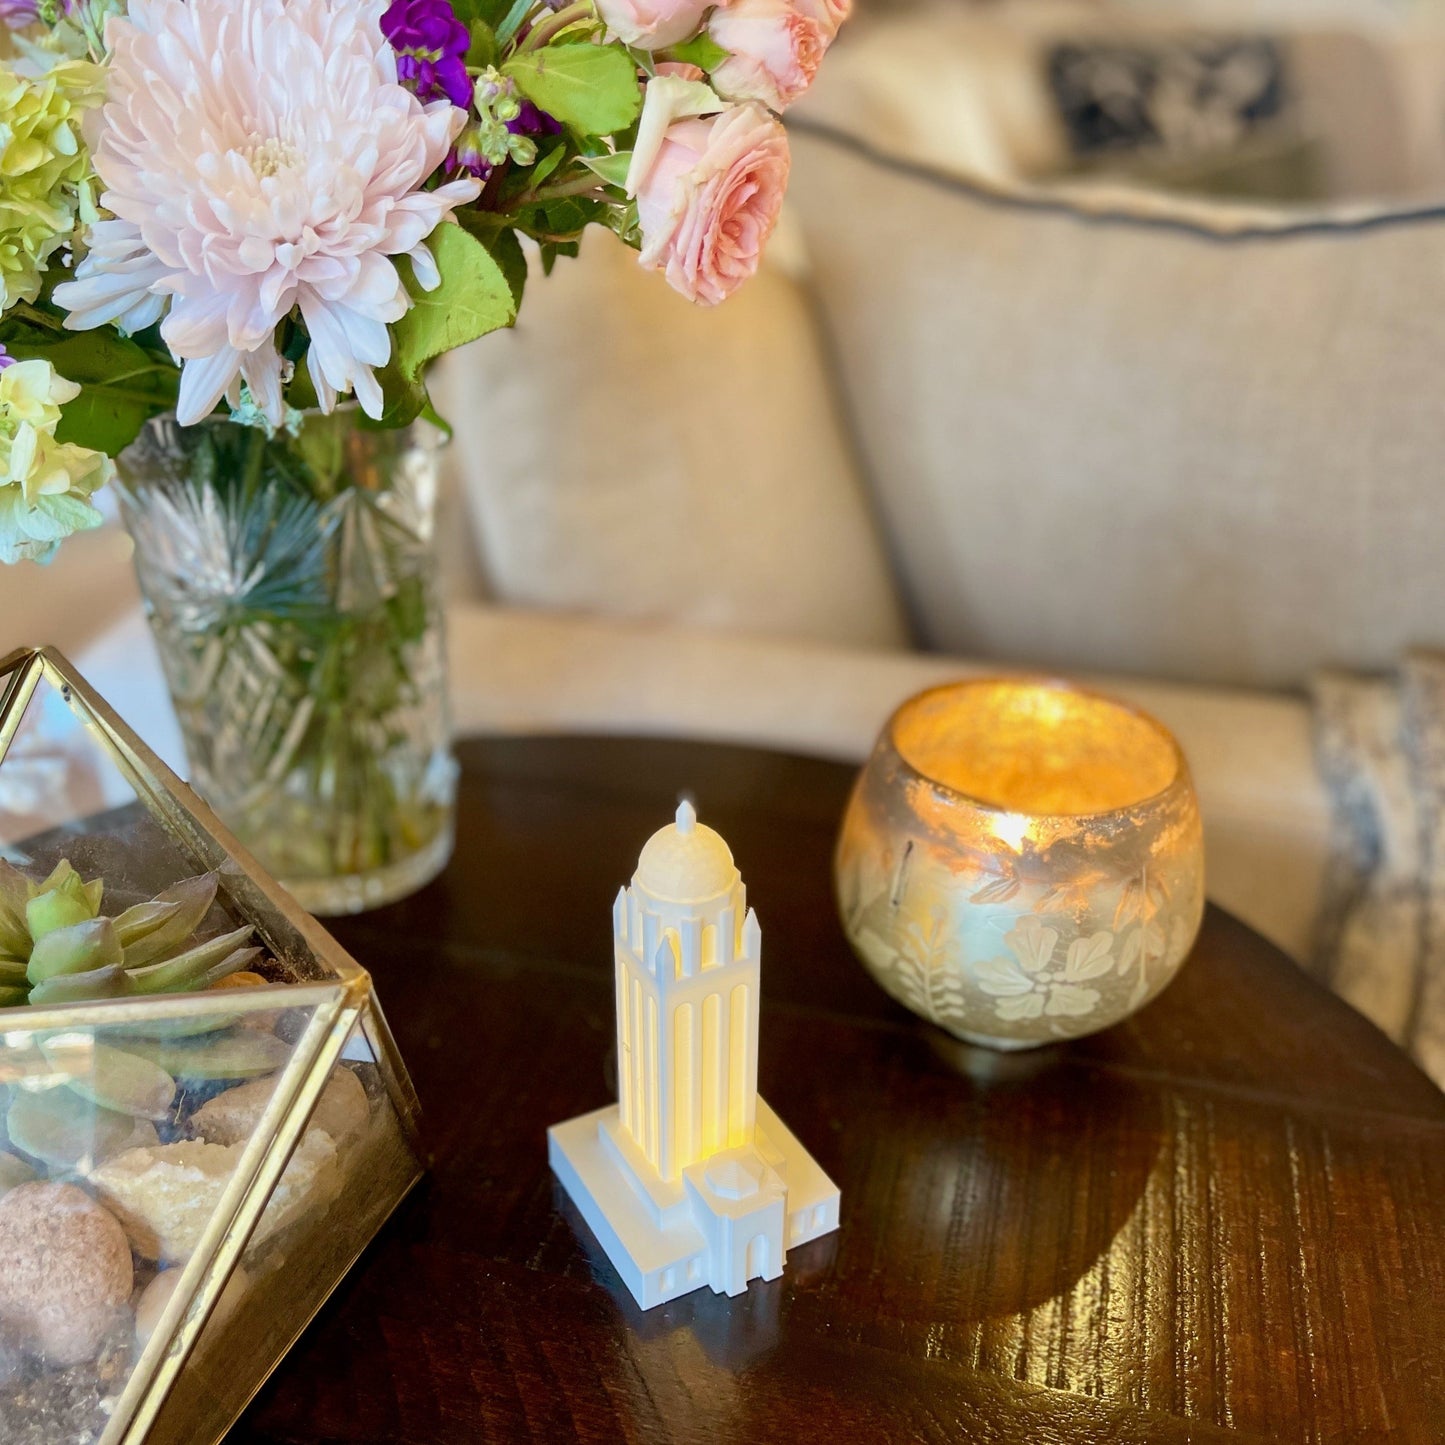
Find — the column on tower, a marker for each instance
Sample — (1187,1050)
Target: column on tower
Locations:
(639,1061)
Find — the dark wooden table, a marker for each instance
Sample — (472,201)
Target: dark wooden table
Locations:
(1224,1220)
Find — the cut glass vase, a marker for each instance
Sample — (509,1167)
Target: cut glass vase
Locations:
(185,1176)
(291,582)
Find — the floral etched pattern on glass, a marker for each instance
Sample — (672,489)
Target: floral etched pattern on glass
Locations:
(291,584)
(1022,862)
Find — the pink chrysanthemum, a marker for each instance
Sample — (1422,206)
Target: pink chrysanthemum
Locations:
(259,155)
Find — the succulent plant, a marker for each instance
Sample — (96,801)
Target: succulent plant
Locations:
(65,1131)
(57,947)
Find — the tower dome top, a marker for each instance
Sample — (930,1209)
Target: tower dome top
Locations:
(686,862)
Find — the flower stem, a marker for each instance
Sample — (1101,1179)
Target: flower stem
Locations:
(544,30)
(33,314)
(582,186)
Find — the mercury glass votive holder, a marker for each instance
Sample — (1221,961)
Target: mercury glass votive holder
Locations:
(1022,860)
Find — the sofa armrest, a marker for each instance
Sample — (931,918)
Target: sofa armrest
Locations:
(1267,820)
(1266,813)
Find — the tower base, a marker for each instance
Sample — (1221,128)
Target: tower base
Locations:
(729,1219)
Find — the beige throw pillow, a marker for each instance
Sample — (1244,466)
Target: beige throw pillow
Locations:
(1134,443)
(625,453)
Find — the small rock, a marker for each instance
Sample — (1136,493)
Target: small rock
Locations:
(157,1295)
(166,1196)
(13,1171)
(265,1020)
(231,1118)
(65,1270)
(74,1405)
(244,979)
(153,1301)
(12,1356)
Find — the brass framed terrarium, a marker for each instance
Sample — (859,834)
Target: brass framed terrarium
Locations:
(205,1117)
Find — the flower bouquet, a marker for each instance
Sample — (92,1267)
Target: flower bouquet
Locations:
(234,234)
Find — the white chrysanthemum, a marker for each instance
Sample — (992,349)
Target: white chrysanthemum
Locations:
(259,155)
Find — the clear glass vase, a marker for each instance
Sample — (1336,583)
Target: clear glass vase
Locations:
(291,583)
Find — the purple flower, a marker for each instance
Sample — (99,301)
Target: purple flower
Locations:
(533,122)
(5,358)
(503,130)
(17,14)
(431,49)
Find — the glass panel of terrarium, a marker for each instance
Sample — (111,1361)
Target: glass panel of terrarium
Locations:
(180,1063)
(112,1182)
(352,1165)
(63,794)
(77,784)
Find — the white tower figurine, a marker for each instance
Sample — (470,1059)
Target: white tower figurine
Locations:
(690,1179)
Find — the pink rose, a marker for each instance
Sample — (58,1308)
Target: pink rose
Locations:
(830,14)
(678,69)
(653,24)
(774,50)
(708,188)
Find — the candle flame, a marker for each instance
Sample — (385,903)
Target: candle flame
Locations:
(1011,828)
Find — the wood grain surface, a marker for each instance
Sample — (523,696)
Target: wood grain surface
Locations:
(1223,1220)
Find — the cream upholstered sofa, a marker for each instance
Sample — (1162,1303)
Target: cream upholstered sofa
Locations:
(972,416)
(991,408)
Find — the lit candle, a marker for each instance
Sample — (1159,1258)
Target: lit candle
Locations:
(1022,861)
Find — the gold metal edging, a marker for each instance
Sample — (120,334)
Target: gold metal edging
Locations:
(188,813)
(230,1228)
(343,1001)
(144,1008)
(393,1070)
(22,672)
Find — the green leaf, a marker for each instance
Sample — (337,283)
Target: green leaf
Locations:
(431,414)
(613,169)
(403,399)
(105,419)
(490,13)
(135,923)
(483,50)
(116,1080)
(703,52)
(496,234)
(592,88)
(241,1055)
(571,215)
(64,1131)
(192,898)
(551,250)
(547,164)
(107,982)
(80,948)
(507,250)
(122,384)
(302,391)
(58,908)
(185,971)
(622,222)
(473,299)
(510,19)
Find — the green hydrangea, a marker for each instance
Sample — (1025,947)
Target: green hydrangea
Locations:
(45,173)
(45,485)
